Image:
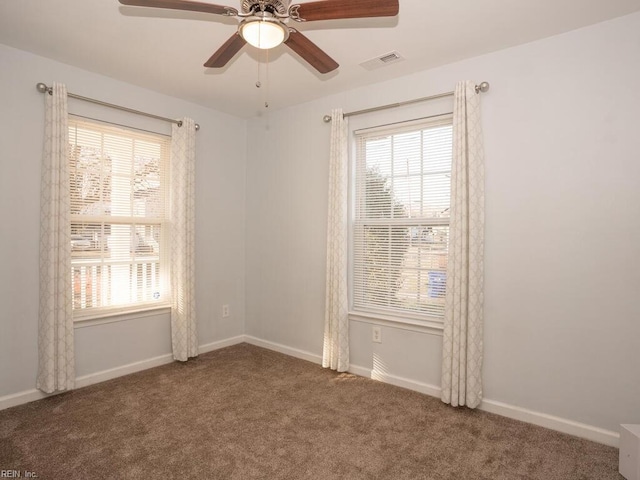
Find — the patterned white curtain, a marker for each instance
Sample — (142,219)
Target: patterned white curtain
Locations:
(463,318)
(336,331)
(184,335)
(56,363)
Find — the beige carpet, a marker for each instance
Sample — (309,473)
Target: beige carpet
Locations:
(244,412)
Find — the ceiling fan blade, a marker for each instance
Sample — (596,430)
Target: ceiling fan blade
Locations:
(335,9)
(188,5)
(310,52)
(226,52)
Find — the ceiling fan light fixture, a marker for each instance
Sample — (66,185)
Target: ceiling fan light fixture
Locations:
(263,33)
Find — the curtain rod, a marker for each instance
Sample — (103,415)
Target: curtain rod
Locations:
(483,87)
(42,88)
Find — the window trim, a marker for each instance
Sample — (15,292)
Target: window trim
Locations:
(121,316)
(404,320)
(118,313)
(433,327)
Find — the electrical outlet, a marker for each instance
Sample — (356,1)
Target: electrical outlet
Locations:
(377,334)
(225,311)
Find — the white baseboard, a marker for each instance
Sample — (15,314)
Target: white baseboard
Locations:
(277,347)
(559,424)
(27,396)
(14,399)
(104,375)
(210,347)
(384,377)
(582,430)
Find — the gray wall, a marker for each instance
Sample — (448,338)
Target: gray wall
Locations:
(562,234)
(220,222)
(562,229)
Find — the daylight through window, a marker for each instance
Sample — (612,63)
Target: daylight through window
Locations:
(401,221)
(118,180)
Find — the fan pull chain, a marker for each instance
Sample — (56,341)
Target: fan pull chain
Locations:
(266,101)
(258,83)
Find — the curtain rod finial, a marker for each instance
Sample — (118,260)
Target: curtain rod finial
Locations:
(483,87)
(42,87)
(326,118)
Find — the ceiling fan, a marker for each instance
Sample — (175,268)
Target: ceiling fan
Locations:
(263,23)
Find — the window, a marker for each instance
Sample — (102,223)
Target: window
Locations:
(118,184)
(401,219)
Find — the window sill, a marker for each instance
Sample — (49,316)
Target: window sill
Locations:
(432,327)
(120,316)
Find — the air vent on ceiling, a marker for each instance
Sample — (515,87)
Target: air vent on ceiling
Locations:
(382,60)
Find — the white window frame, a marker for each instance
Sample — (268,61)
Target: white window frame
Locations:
(405,320)
(135,309)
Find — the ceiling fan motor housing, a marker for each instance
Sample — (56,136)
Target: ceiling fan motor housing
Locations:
(279,7)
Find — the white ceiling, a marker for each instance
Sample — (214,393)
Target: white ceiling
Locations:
(164,50)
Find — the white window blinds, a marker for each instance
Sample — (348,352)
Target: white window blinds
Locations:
(118,181)
(401,221)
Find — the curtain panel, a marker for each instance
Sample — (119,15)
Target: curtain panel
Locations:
(56,362)
(463,319)
(335,353)
(184,335)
